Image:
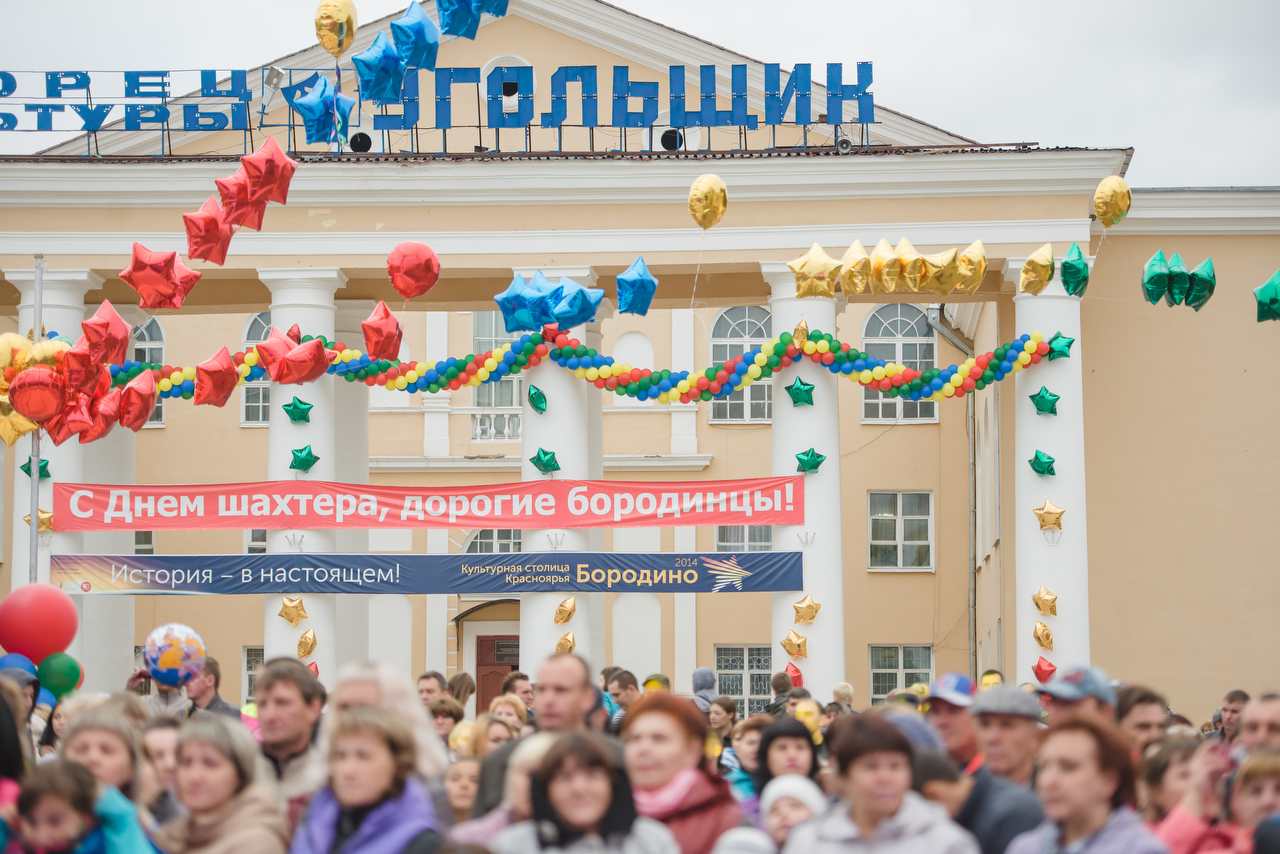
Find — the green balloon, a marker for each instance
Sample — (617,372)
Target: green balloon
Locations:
(1155,278)
(60,673)
(1179,281)
(1075,271)
(1203,282)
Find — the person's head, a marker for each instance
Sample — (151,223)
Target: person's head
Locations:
(521,764)
(461,782)
(1085,770)
(662,735)
(1140,715)
(160,744)
(563,695)
(289,698)
(1080,692)
(1008,730)
(55,807)
(656,682)
(787,801)
(1165,771)
(722,714)
(781,684)
(1232,706)
(372,753)
(447,713)
(52,735)
(28,690)
(461,687)
(990,679)
(842,693)
(216,761)
(1179,725)
(105,742)
(382,685)
(431,685)
(578,789)
(1256,793)
(1260,722)
(204,687)
(511,709)
(624,688)
(949,700)
(704,679)
(794,696)
(873,759)
(131,706)
(937,778)
(488,733)
(746,740)
(605,675)
(786,747)
(809,713)
(518,684)
(12,756)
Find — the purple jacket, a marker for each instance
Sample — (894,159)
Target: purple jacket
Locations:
(1124,833)
(388,829)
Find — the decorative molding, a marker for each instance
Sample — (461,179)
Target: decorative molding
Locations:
(496,463)
(1207,211)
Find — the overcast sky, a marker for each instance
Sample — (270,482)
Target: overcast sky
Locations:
(1192,85)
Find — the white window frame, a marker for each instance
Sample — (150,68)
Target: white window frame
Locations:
(900,671)
(747,698)
(249,543)
(250,658)
(729,343)
(247,341)
(494,423)
(900,531)
(725,542)
(144,548)
(897,343)
(148,344)
(496,537)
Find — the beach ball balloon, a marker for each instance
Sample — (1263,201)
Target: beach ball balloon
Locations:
(174,654)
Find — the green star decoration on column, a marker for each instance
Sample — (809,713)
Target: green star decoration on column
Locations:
(1060,346)
(303,459)
(545,461)
(809,460)
(299,411)
(801,393)
(1046,402)
(44,469)
(1042,464)
(537,399)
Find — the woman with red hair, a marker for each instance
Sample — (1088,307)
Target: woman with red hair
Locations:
(664,737)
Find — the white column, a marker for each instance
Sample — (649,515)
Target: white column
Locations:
(304,296)
(1064,567)
(684,416)
(795,430)
(637,617)
(686,617)
(437,640)
(435,407)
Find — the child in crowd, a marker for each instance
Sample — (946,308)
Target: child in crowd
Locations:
(61,811)
(461,782)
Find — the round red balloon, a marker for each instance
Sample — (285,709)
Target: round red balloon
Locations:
(38,393)
(37,620)
(413,269)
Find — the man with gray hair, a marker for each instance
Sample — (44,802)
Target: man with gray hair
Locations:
(842,693)
(1009,732)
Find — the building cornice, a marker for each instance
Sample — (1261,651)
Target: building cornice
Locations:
(1208,211)
(612,462)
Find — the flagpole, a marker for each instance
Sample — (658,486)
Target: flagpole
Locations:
(33,574)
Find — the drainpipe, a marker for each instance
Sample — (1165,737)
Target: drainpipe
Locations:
(934,316)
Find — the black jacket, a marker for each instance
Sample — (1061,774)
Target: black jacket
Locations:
(997,811)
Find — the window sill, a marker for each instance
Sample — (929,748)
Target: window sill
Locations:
(906,569)
(744,422)
(901,421)
(253,425)
(152,425)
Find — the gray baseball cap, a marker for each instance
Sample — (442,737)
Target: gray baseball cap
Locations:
(1006,700)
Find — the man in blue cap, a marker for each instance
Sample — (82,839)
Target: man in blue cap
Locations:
(1081,692)
(949,701)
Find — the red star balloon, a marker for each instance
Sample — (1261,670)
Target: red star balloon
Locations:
(269,171)
(238,205)
(272,351)
(549,332)
(107,335)
(294,334)
(79,368)
(216,379)
(38,393)
(413,269)
(314,668)
(797,678)
(382,333)
(138,401)
(74,418)
(160,278)
(104,411)
(208,234)
(1043,669)
(303,364)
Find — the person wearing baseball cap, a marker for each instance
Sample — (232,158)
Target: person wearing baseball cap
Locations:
(949,700)
(1081,692)
(1009,732)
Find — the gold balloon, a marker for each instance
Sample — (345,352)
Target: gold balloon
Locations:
(941,273)
(307,643)
(13,424)
(44,520)
(1046,602)
(912,265)
(1037,272)
(336,25)
(854,274)
(11,343)
(565,611)
(885,269)
(565,644)
(292,610)
(795,645)
(1044,635)
(813,272)
(1111,200)
(973,266)
(806,609)
(1050,516)
(708,198)
(801,334)
(46,353)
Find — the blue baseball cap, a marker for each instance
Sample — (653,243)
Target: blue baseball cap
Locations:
(954,688)
(1076,683)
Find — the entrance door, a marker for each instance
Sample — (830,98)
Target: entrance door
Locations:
(496,656)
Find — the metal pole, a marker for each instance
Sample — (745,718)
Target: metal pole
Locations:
(33,572)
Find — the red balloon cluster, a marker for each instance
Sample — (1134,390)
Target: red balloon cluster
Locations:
(263,177)
(37,621)
(290,363)
(160,278)
(413,269)
(382,333)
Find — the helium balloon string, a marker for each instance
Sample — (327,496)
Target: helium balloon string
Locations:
(697,269)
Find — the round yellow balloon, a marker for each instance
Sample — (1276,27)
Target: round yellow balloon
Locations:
(708,199)
(336,25)
(1111,200)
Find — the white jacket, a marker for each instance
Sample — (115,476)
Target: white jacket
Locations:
(919,827)
(646,837)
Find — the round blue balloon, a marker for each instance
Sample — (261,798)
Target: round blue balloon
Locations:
(18,662)
(46,698)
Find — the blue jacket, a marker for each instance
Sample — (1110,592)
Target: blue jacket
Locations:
(1124,833)
(118,830)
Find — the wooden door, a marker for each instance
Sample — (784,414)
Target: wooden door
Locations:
(496,656)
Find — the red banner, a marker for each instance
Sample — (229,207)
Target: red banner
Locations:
(315,504)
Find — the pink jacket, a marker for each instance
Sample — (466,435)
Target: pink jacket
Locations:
(1185,833)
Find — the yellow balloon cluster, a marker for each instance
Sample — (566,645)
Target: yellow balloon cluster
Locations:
(14,350)
(891,269)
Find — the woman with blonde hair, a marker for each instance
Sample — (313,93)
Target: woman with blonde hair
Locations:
(489,732)
(510,708)
(381,685)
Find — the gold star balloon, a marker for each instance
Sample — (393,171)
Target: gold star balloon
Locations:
(44,520)
(13,424)
(815,273)
(1050,516)
(912,265)
(801,334)
(1037,271)
(565,644)
(292,610)
(1043,635)
(1046,602)
(885,269)
(565,611)
(307,643)
(806,609)
(941,273)
(854,274)
(795,645)
(973,266)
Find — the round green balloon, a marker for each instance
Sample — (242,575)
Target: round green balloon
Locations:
(60,673)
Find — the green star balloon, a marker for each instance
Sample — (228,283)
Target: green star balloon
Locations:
(1042,464)
(299,411)
(809,460)
(1075,271)
(1179,281)
(1203,282)
(1046,401)
(801,393)
(545,461)
(1268,297)
(44,469)
(1155,278)
(303,459)
(1060,346)
(537,399)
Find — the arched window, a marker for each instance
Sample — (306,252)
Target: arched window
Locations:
(736,331)
(148,346)
(255,398)
(899,333)
(491,541)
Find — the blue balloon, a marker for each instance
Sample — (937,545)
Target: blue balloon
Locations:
(417,38)
(380,70)
(523,305)
(188,385)
(636,288)
(318,108)
(459,17)
(577,304)
(496,8)
(936,384)
(17,661)
(46,698)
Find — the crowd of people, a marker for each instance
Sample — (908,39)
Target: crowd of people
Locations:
(576,762)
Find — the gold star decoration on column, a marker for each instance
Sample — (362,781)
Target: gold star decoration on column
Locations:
(44,520)
(565,644)
(1046,601)
(565,610)
(292,610)
(307,643)
(795,645)
(806,609)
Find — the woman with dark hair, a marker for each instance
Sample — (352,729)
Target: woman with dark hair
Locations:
(723,714)
(786,747)
(664,738)
(877,811)
(582,803)
(1087,787)
(51,738)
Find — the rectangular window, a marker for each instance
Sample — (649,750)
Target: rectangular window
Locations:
(917,355)
(253,658)
(491,541)
(895,667)
(255,408)
(743,673)
(144,542)
(900,531)
(152,354)
(255,542)
(753,403)
(744,538)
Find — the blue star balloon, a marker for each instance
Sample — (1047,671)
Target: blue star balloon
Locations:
(459,17)
(381,71)
(577,304)
(551,296)
(496,8)
(523,306)
(417,38)
(317,111)
(636,288)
